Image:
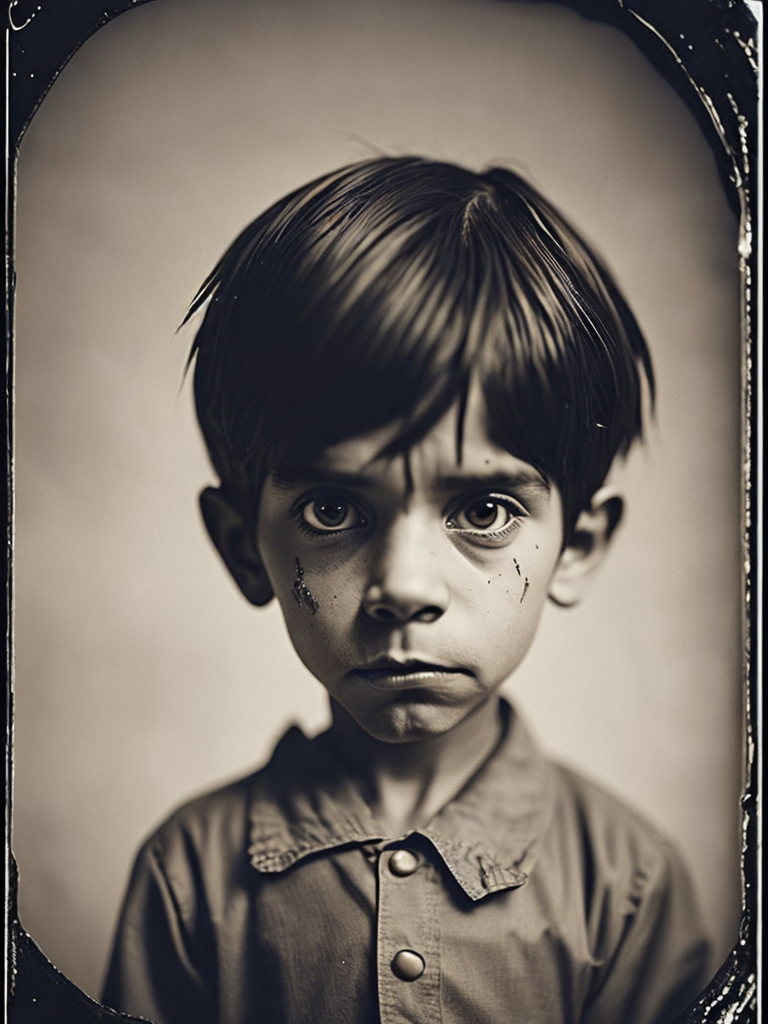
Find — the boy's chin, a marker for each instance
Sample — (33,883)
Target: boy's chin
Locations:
(412,718)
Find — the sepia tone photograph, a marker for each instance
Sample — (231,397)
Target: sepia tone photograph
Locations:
(380,517)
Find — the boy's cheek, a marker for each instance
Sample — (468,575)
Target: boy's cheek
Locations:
(522,573)
(310,595)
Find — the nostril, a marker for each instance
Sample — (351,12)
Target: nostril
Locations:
(430,614)
(383,614)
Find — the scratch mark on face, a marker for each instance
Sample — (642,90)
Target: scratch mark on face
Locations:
(301,592)
(517,565)
(525,589)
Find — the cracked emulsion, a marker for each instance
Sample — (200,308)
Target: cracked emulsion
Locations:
(301,592)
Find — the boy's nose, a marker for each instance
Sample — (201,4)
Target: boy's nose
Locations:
(406,584)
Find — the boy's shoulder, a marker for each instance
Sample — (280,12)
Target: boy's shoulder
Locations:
(220,815)
(599,810)
(602,836)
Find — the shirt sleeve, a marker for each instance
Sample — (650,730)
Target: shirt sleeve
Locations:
(161,940)
(662,961)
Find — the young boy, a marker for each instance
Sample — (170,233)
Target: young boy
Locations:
(412,380)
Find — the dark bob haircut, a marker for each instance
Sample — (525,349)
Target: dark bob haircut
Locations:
(376,294)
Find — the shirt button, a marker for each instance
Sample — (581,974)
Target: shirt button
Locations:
(407,965)
(403,862)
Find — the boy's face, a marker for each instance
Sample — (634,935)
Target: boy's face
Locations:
(412,586)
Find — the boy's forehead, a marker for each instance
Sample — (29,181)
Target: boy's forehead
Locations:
(458,447)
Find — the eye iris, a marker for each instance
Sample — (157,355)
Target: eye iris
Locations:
(483,514)
(330,513)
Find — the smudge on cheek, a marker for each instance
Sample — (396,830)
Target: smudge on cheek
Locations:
(301,592)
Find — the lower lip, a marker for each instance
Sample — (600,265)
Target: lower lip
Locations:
(382,679)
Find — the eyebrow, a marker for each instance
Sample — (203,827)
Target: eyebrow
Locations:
(496,480)
(287,480)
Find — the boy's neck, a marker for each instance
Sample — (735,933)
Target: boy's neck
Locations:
(407,784)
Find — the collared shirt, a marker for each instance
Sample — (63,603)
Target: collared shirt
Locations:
(533,896)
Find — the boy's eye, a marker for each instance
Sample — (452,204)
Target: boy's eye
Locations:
(330,513)
(490,514)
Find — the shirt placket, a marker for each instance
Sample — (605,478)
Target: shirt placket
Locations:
(408,938)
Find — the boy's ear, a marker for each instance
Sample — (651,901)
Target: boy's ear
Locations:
(586,547)
(236,546)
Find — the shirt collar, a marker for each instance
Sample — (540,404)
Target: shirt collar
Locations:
(303,803)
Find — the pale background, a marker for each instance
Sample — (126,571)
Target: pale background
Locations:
(142,676)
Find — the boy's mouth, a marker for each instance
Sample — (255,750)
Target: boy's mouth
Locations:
(393,672)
